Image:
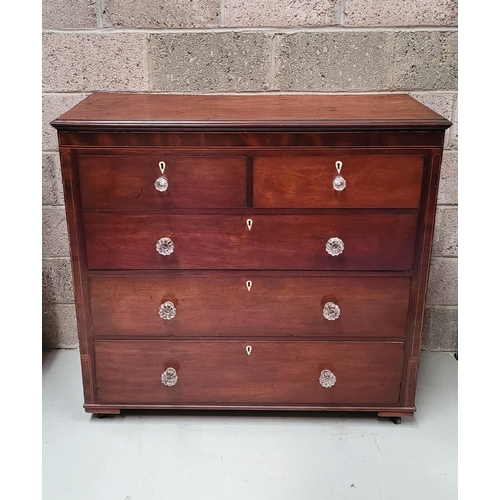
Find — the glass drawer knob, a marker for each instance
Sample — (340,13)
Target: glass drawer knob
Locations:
(339,183)
(327,378)
(169,377)
(161,184)
(165,246)
(331,311)
(334,246)
(167,310)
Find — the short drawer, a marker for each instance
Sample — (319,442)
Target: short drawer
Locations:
(359,242)
(248,372)
(252,305)
(129,181)
(371,181)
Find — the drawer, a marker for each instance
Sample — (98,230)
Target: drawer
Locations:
(370,242)
(128,181)
(365,373)
(371,181)
(244,304)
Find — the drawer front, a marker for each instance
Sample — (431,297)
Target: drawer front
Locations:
(115,181)
(223,372)
(250,305)
(307,181)
(370,242)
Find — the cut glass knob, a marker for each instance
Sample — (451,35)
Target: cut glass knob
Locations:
(334,246)
(331,311)
(339,183)
(165,246)
(169,377)
(327,378)
(167,310)
(161,184)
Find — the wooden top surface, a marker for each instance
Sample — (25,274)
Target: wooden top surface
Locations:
(120,111)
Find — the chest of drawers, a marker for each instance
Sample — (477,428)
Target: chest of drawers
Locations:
(250,252)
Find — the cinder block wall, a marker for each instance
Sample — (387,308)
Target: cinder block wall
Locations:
(218,46)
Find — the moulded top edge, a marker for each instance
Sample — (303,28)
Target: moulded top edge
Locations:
(169,112)
(248,126)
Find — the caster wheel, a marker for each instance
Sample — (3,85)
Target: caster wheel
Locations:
(396,420)
(100,415)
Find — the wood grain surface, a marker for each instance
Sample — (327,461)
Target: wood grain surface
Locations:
(125,111)
(371,242)
(275,372)
(126,181)
(287,305)
(372,181)
(271,159)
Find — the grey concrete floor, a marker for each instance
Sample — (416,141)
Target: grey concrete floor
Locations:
(239,456)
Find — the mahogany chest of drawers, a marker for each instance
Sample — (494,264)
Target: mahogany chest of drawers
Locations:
(250,252)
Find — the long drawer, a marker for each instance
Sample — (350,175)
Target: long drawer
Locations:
(243,304)
(335,242)
(369,181)
(129,181)
(301,372)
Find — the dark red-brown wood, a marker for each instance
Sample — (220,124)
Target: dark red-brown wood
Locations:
(425,235)
(274,372)
(125,181)
(371,242)
(79,269)
(222,305)
(267,138)
(372,181)
(269,141)
(232,112)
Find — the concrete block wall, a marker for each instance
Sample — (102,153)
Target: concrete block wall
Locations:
(229,46)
